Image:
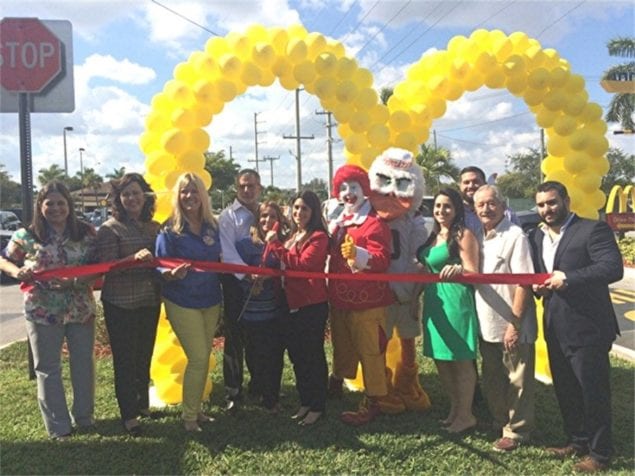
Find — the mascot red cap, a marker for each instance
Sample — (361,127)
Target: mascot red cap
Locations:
(350,173)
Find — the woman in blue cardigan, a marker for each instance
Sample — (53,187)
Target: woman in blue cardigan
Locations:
(192,299)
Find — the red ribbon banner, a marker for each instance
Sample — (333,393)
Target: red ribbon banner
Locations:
(216,267)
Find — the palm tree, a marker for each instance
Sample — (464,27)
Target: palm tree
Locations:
(116,173)
(436,163)
(93,180)
(622,105)
(385,94)
(54,172)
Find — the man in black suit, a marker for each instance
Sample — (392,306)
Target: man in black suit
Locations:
(579,322)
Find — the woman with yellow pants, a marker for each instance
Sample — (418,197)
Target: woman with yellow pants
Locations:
(192,299)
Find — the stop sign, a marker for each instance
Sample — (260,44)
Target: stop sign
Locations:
(30,55)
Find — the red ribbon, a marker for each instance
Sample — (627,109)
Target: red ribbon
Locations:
(216,267)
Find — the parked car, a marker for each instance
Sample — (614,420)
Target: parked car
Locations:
(529,219)
(427,204)
(9,222)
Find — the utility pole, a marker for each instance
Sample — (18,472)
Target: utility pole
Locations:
(231,153)
(434,135)
(270,159)
(298,138)
(256,138)
(542,153)
(329,143)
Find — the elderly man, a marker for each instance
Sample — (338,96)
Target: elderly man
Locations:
(507,319)
(471,178)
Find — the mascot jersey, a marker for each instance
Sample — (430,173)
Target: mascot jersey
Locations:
(372,234)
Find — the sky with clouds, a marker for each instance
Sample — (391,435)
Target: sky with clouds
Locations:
(125,51)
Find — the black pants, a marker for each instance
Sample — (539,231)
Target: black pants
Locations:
(303,336)
(132,333)
(235,337)
(266,351)
(581,380)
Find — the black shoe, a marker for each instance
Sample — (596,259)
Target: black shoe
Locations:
(152,415)
(135,431)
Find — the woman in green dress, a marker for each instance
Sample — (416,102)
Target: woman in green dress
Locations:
(450,325)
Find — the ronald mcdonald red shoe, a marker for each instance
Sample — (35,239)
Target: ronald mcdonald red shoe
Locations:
(408,388)
(368,410)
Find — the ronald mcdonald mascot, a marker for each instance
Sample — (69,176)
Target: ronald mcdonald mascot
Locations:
(397,188)
(360,244)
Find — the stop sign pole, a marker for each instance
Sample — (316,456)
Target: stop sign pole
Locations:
(30,60)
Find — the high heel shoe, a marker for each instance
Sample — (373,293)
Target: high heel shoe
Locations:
(310,419)
(301,413)
(132,427)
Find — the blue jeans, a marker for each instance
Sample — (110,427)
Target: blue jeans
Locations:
(46,342)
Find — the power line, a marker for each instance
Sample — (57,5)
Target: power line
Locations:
(185,18)
(505,7)
(341,19)
(359,23)
(384,26)
(479,124)
(560,18)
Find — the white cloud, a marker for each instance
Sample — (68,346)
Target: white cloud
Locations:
(121,71)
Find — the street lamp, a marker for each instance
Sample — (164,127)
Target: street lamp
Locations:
(67,128)
(81,172)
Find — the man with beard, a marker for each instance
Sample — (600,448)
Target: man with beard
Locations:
(579,321)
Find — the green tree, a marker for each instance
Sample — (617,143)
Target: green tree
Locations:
(53,172)
(222,170)
(622,105)
(10,191)
(116,173)
(622,171)
(436,164)
(91,179)
(278,195)
(523,175)
(319,186)
(384,95)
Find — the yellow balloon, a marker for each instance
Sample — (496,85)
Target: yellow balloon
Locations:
(551,164)
(564,125)
(174,141)
(558,176)
(288,82)
(346,91)
(204,91)
(579,140)
(267,78)
(178,92)
(597,199)
(575,83)
(296,51)
(216,47)
(326,64)
(485,63)
(598,144)
(297,31)
(406,140)
(225,89)
(601,165)
(190,160)
(263,55)
(558,77)
(250,74)
(555,99)
(532,96)
(575,104)
(230,65)
(366,99)
(150,141)
(282,67)
(399,120)
(378,135)
(238,45)
(207,179)
(363,78)
(279,40)
(359,122)
(158,161)
(538,78)
(346,67)
(588,181)
(545,118)
(591,112)
(257,33)
(516,84)
(473,81)
(379,113)
(185,72)
(169,392)
(576,162)
(183,119)
(325,88)
(343,112)
(199,140)
(316,43)
(304,72)
(557,145)
(356,143)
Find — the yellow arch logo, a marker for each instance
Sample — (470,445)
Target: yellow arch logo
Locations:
(175,140)
(622,194)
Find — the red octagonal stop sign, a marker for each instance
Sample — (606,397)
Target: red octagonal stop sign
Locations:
(30,55)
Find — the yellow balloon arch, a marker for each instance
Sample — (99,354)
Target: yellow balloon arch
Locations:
(175,140)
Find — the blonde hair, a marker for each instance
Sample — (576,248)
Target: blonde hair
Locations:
(256,233)
(177,220)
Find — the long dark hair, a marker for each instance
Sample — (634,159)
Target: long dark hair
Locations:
(458,224)
(75,228)
(316,222)
(118,211)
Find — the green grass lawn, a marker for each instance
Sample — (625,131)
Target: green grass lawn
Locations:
(254,442)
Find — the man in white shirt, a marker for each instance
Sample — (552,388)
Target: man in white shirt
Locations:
(234,223)
(507,319)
